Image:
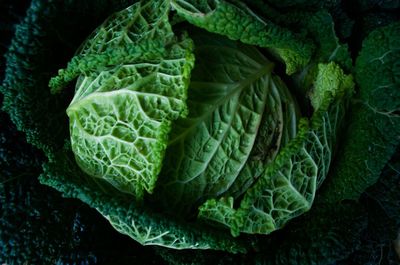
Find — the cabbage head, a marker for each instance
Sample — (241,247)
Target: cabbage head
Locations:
(209,124)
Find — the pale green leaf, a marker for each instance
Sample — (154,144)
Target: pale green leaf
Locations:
(120,119)
(133,78)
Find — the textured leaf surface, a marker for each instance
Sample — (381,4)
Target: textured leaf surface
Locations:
(383,201)
(121,112)
(128,217)
(119,131)
(36,51)
(287,188)
(144,20)
(236,21)
(138,31)
(324,235)
(39,226)
(374,129)
(233,96)
(330,233)
(321,28)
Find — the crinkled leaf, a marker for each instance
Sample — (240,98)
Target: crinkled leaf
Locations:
(324,235)
(382,201)
(287,188)
(374,123)
(128,217)
(233,98)
(126,97)
(36,51)
(120,130)
(138,31)
(318,26)
(236,21)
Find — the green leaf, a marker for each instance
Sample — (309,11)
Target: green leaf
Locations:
(236,21)
(143,20)
(126,215)
(139,30)
(234,98)
(373,133)
(133,77)
(288,186)
(326,234)
(119,128)
(320,28)
(383,206)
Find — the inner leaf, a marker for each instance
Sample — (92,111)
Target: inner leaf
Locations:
(232,95)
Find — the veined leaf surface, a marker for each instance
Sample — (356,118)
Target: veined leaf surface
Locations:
(233,98)
(133,77)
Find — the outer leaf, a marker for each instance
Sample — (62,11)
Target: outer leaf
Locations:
(386,197)
(116,40)
(119,131)
(144,20)
(38,226)
(321,237)
(374,129)
(321,28)
(288,186)
(383,201)
(126,97)
(233,98)
(36,50)
(126,216)
(318,26)
(236,21)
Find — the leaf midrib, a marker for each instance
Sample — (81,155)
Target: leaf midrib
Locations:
(239,87)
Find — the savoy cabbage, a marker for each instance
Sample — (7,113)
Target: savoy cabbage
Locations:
(213,124)
(205,113)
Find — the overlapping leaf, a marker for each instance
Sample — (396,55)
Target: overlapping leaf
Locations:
(234,100)
(132,83)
